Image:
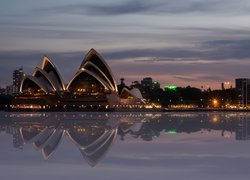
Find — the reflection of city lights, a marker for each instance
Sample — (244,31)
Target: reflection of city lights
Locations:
(184,106)
(215,118)
(227,135)
(172,131)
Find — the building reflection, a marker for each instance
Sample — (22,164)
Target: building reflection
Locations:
(243,129)
(94,133)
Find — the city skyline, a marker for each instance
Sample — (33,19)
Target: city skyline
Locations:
(195,43)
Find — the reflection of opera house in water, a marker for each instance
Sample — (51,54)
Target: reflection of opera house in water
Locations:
(92,87)
(91,133)
(94,133)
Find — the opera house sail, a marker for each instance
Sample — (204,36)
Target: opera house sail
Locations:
(92,87)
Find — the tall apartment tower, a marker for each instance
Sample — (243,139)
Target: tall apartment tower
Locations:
(242,86)
(17,79)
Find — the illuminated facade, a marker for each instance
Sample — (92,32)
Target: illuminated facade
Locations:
(93,86)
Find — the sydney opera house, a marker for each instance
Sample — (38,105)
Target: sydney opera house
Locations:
(92,87)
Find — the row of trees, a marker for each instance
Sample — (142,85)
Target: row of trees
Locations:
(190,95)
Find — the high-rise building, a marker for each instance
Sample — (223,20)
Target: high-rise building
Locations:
(147,82)
(17,80)
(242,86)
(9,90)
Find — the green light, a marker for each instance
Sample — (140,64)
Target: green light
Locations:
(170,88)
(171,131)
(155,82)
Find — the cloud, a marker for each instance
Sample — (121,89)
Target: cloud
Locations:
(216,50)
(37,33)
(229,49)
(151,7)
(185,78)
(96,9)
(229,43)
(168,53)
(189,65)
(122,8)
(188,78)
(101,9)
(212,78)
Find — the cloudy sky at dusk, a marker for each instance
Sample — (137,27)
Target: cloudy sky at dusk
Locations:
(192,42)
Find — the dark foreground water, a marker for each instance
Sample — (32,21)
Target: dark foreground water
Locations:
(125,146)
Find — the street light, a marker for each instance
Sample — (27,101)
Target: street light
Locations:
(215,103)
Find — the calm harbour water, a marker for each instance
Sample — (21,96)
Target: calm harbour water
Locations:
(127,145)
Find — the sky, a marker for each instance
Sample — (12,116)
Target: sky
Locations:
(192,42)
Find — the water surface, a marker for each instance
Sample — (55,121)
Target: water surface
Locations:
(125,145)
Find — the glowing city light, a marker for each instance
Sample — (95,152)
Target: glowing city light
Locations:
(215,102)
(170,88)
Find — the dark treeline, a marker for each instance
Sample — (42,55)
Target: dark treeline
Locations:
(190,96)
(172,95)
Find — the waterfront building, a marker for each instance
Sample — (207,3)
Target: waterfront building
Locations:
(2,91)
(17,80)
(147,82)
(148,86)
(93,86)
(9,90)
(242,86)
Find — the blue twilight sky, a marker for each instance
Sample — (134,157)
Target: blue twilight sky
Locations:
(189,42)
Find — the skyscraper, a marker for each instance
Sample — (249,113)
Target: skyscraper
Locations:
(17,79)
(243,89)
(147,82)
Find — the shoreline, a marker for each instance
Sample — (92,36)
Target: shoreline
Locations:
(129,110)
